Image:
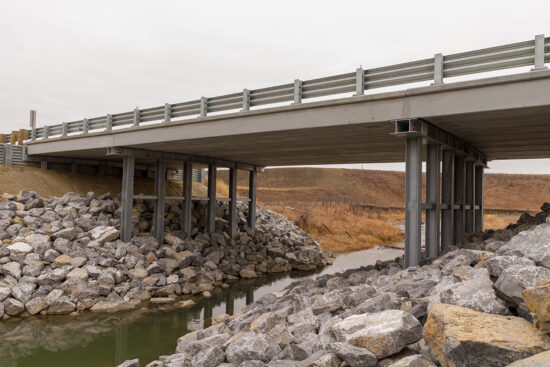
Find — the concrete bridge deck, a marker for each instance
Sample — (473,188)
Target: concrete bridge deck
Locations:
(455,127)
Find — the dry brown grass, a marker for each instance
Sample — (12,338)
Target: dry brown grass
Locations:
(339,227)
(498,221)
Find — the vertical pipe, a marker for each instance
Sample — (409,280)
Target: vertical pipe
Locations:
(433,200)
(160,189)
(187,198)
(128,163)
(233,202)
(470,197)
(447,188)
(460,184)
(211,211)
(479,198)
(413,198)
(252,201)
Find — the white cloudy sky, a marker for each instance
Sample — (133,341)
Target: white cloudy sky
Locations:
(75,59)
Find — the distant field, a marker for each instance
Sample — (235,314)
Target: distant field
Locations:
(344,209)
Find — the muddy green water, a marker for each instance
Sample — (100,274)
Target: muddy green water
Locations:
(89,340)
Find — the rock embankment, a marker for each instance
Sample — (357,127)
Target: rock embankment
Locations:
(486,305)
(62,255)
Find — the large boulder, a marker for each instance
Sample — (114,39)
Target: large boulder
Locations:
(104,234)
(460,336)
(383,333)
(354,356)
(537,300)
(413,361)
(538,360)
(514,280)
(251,346)
(496,264)
(533,244)
(468,287)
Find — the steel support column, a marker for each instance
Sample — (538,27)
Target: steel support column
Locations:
(460,199)
(128,165)
(433,200)
(211,212)
(160,194)
(469,225)
(233,202)
(188,199)
(253,181)
(448,193)
(413,200)
(479,194)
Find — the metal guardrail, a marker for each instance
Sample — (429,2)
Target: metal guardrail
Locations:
(13,154)
(529,53)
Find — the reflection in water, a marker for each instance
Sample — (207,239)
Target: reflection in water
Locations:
(91,340)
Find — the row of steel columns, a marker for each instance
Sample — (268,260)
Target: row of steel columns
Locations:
(160,199)
(454,199)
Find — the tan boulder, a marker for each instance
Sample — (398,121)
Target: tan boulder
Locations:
(62,260)
(460,336)
(538,301)
(538,360)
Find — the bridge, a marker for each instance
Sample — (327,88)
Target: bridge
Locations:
(456,127)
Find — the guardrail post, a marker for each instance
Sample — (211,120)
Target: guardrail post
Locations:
(46,131)
(433,200)
(539,52)
(85,126)
(212,203)
(359,81)
(297,91)
(8,155)
(204,106)
(246,100)
(167,112)
(109,120)
(438,69)
(64,129)
(136,116)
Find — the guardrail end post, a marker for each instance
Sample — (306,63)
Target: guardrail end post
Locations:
(438,69)
(246,100)
(539,53)
(109,119)
(359,81)
(136,116)
(204,106)
(297,91)
(167,112)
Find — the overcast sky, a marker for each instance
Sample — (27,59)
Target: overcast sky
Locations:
(75,59)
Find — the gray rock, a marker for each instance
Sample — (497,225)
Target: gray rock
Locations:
(413,361)
(251,346)
(130,363)
(13,307)
(12,269)
(20,248)
(211,357)
(468,287)
(532,244)
(538,360)
(104,234)
(382,333)
(36,305)
(496,264)
(23,291)
(354,356)
(67,234)
(517,278)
